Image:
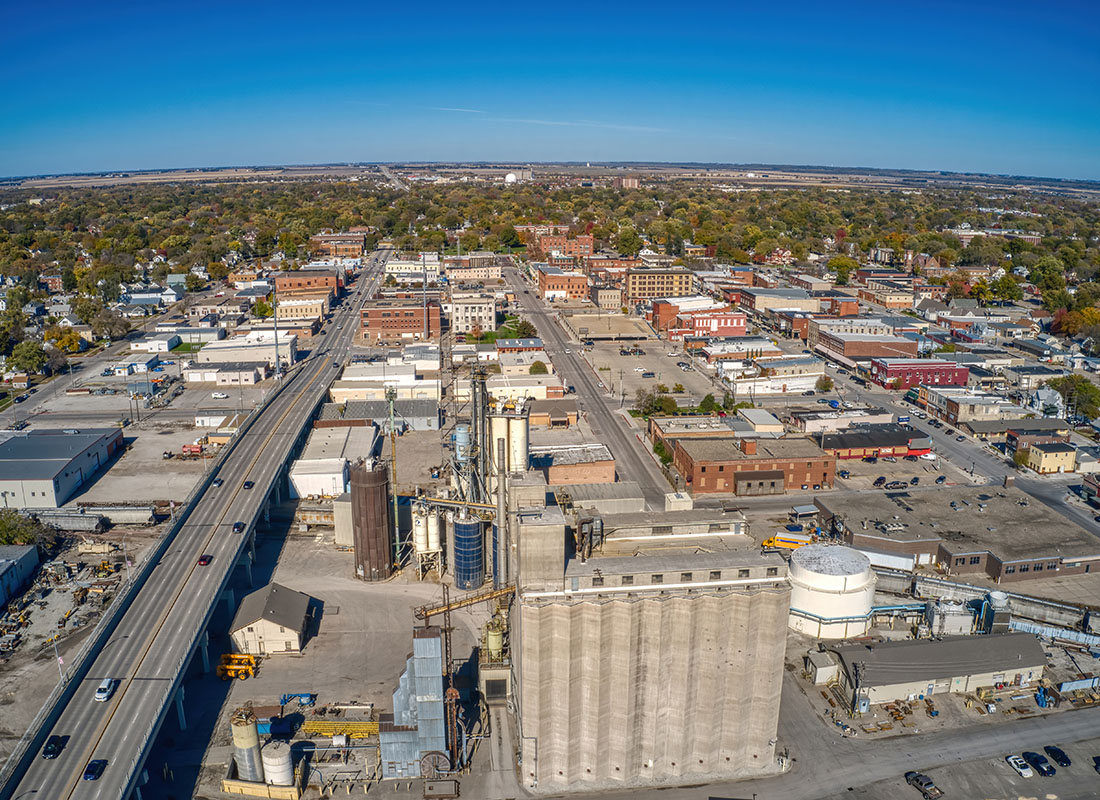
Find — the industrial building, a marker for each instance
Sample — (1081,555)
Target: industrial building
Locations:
(255,346)
(231,373)
(642,660)
(271,620)
(408,415)
(17,565)
(43,468)
(752,466)
(832,591)
(416,730)
(881,672)
(322,468)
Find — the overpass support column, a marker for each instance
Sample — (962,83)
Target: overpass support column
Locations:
(252,544)
(179,709)
(204,643)
(230,602)
(267,510)
(277,493)
(247,562)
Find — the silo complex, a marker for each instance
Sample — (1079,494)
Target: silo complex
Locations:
(832,591)
(372,525)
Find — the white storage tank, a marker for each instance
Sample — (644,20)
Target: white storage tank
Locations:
(498,429)
(832,590)
(435,543)
(517,443)
(278,764)
(420,531)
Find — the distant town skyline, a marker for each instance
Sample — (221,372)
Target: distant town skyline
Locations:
(1003,88)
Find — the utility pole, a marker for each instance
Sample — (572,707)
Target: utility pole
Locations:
(399,546)
(275,322)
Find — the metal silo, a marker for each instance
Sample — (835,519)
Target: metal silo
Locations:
(469,552)
(462,443)
(420,531)
(517,443)
(246,745)
(372,525)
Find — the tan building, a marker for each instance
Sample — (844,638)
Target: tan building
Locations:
(646,284)
(473,311)
(271,620)
(1050,458)
(609,298)
(302,307)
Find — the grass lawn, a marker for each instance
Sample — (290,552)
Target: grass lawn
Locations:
(188,347)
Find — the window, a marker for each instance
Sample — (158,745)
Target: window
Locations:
(1052,565)
(251,629)
(960,561)
(685,577)
(656,578)
(1009,570)
(773,572)
(1038,567)
(628,580)
(975,559)
(1024,567)
(716,574)
(742,573)
(597,580)
(288,645)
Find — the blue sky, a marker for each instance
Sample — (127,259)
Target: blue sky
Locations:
(1001,87)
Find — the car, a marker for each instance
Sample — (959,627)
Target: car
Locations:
(822,401)
(960,438)
(889,459)
(31,391)
(909,458)
(809,393)
(639,369)
(216,482)
(623,352)
(105,690)
(205,559)
(924,785)
(879,481)
(568,351)
(844,473)
(914,480)
(842,372)
(869,460)
(1021,766)
(95,769)
(805,486)
(683,365)
(893,485)
(248,484)
(949,432)
(20,398)
(335,365)
(238,527)
(219,395)
(649,374)
(672,355)
(1039,763)
(1057,755)
(1096,763)
(54,745)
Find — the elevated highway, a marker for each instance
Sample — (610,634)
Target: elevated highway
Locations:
(147,648)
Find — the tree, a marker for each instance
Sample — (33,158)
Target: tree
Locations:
(193,282)
(1019,457)
(678,388)
(28,357)
(1080,394)
(708,405)
(842,266)
(64,339)
(1006,288)
(56,360)
(537,368)
(1054,299)
(661,451)
(628,241)
(17,529)
(263,309)
(824,384)
(525,329)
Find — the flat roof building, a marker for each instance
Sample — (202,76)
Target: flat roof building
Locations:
(43,468)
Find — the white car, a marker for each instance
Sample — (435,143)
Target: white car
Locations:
(928,456)
(639,369)
(672,355)
(1023,769)
(219,395)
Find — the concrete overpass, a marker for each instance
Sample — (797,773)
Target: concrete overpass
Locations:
(161,620)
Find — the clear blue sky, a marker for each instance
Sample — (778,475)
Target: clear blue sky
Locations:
(1006,87)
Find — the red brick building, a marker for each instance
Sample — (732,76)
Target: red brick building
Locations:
(751,466)
(716,323)
(52,282)
(867,345)
(556,285)
(313,279)
(903,373)
(399,322)
(339,245)
(840,306)
(580,247)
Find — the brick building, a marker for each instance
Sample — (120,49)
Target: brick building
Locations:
(903,373)
(750,466)
(866,345)
(313,279)
(339,245)
(609,298)
(719,324)
(579,247)
(554,284)
(400,321)
(649,283)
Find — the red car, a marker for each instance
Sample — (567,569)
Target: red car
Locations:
(205,559)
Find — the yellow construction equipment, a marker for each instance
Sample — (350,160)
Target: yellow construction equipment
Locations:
(236,665)
(353,729)
(104,570)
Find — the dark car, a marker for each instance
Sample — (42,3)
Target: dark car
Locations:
(844,473)
(1040,763)
(205,559)
(54,745)
(1096,763)
(909,458)
(941,480)
(869,460)
(1057,755)
(914,481)
(808,393)
(960,438)
(879,481)
(248,484)
(216,482)
(649,374)
(95,769)
(336,365)
(238,527)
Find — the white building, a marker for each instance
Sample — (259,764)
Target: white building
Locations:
(158,343)
(256,346)
(471,311)
(771,376)
(322,469)
(425,268)
(271,620)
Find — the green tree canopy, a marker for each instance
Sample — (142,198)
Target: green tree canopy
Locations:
(538,368)
(28,357)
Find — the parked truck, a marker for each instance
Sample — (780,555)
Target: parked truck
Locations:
(788,541)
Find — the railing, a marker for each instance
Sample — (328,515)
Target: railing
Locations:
(31,739)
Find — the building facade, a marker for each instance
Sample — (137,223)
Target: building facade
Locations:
(904,373)
(752,467)
(647,284)
(400,321)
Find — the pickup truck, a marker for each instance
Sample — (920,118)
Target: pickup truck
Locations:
(924,785)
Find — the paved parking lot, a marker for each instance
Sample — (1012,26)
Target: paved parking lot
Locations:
(628,371)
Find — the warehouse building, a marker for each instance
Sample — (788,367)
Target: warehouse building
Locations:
(43,468)
(322,469)
(271,620)
(881,672)
(255,346)
(17,565)
(752,466)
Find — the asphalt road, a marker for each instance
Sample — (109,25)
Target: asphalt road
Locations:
(157,636)
(631,464)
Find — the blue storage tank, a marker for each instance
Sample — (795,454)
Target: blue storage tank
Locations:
(495,558)
(469,554)
(462,443)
